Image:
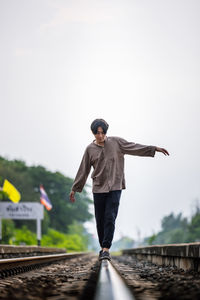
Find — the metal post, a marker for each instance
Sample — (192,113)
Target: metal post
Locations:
(38,231)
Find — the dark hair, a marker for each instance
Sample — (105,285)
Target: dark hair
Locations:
(99,123)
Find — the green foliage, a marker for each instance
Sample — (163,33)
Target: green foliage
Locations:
(176,229)
(24,237)
(3,196)
(71,242)
(45,222)
(17,173)
(151,239)
(78,229)
(8,227)
(173,222)
(27,180)
(194,227)
(178,236)
(65,219)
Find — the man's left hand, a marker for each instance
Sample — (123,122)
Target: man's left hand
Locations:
(164,151)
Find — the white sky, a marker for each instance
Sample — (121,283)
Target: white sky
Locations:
(134,63)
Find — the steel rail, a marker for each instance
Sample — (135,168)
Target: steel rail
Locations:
(23,264)
(110,285)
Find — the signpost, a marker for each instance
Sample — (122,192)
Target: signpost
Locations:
(22,211)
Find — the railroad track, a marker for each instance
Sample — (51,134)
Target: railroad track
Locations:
(81,276)
(109,284)
(13,266)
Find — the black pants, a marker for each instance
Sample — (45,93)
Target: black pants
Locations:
(106,208)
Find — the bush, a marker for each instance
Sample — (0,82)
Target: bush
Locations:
(8,228)
(71,242)
(24,236)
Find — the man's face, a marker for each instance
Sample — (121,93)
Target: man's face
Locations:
(100,135)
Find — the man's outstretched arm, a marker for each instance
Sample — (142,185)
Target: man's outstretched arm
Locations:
(138,149)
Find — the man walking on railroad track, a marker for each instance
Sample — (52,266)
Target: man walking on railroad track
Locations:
(106,156)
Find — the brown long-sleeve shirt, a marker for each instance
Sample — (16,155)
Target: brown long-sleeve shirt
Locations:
(108,164)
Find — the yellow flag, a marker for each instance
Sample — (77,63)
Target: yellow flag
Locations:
(12,192)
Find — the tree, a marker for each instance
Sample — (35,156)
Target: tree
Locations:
(174,230)
(71,242)
(27,180)
(194,227)
(24,236)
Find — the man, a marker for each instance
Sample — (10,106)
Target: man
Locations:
(106,156)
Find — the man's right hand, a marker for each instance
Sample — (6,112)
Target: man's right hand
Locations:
(72,196)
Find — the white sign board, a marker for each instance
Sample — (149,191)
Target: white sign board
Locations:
(23,210)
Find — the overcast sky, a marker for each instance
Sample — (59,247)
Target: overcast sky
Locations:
(134,63)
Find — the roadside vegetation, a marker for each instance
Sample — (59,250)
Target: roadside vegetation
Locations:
(177,229)
(62,225)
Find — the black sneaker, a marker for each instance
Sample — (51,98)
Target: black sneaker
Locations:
(105,255)
(100,252)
